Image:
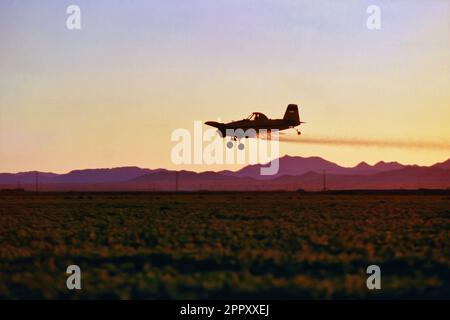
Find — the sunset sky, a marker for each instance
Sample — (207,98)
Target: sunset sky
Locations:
(112,93)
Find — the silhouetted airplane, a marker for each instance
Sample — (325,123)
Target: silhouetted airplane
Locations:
(257,121)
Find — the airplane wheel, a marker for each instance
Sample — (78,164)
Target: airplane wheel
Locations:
(241,146)
(229,144)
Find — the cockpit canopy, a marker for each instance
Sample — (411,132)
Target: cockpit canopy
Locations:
(257,116)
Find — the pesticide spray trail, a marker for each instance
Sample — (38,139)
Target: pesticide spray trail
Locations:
(356,142)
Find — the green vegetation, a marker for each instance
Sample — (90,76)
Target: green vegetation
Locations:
(229,245)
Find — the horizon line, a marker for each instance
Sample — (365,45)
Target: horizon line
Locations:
(243,166)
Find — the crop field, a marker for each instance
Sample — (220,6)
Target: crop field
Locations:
(224,245)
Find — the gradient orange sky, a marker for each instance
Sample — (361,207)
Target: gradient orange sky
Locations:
(112,93)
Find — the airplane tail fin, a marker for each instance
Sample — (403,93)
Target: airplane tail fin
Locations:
(292,114)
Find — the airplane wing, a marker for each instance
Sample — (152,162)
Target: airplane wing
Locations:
(213,124)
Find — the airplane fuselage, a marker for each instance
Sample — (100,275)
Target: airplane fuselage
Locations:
(258,123)
(270,124)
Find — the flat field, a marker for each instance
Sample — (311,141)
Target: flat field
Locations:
(224,245)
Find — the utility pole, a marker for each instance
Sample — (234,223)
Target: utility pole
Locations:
(324,180)
(36,181)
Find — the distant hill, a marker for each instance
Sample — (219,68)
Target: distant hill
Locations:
(443,165)
(182,175)
(364,168)
(102,175)
(299,165)
(307,173)
(411,177)
(25,177)
(290,166)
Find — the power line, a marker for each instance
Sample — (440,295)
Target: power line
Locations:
(36,181)
(324,180)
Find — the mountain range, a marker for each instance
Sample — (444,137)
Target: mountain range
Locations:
(295,172)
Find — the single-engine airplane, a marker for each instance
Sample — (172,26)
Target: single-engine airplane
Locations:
(257,121)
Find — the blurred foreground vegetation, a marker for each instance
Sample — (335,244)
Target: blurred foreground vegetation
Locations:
(229,245)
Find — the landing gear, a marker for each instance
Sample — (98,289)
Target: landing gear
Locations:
(230,143)
(298,131)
